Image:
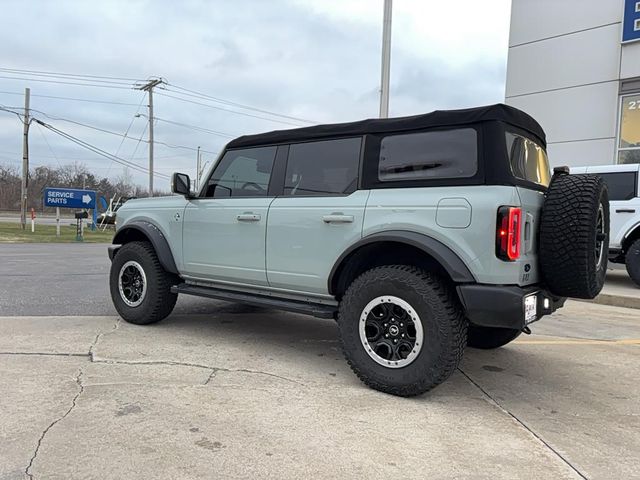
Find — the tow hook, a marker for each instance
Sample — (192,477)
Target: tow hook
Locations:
(527,330)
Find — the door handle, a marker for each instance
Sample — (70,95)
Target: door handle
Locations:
(625,210)
(337,218)
(248,217)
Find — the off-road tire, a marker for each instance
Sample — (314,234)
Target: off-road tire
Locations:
(158,301)
(488,338)
(568,231)
(441,317)
(632,260)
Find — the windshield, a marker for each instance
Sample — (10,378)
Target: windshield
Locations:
(528,160)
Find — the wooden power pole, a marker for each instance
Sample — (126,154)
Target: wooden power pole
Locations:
(25,159)
(148,87)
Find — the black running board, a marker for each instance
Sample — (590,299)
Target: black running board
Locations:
(307,308)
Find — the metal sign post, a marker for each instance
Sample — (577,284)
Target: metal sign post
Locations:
(57,221)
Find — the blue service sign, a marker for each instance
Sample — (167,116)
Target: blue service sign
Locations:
(69,198)
(631,21)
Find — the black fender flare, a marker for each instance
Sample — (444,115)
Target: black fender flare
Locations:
(153,234)
(447,258)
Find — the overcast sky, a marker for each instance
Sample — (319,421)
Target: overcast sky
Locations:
(316,60)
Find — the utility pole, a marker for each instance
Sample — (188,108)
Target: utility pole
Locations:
(198,170)
(386,59)
(25,159)
(148,87)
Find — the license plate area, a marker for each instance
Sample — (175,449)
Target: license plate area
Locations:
(531,308)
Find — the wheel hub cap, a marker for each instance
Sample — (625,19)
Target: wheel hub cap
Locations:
(391,331)
(132,283)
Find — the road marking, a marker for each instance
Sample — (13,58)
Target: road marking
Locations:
(624,341)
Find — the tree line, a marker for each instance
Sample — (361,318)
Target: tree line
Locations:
(75,175)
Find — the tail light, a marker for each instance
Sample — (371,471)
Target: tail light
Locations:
(508,237)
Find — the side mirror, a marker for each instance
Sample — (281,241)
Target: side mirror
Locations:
(181,184)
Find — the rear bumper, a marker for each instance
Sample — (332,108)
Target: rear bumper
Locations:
(503,306)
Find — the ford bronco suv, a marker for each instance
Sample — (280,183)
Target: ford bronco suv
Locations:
(419,235)
(623,183)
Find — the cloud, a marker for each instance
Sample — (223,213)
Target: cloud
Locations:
(311,59)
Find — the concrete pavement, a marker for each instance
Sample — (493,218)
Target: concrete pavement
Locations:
(619,290)
(261,394)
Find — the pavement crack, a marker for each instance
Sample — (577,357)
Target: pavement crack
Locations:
(258,372)
(47,354)
(78,380)
(102,334)
(493,401)
(197,365)
(211,375)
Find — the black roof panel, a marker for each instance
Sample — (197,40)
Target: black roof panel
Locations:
(438,118)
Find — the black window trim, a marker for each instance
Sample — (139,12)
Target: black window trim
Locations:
(372,158)
(507,177)
(282,174)
(270,187)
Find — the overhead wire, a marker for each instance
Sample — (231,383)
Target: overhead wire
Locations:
(46,73)
(227,110)
(193,93)
(71,98)
(98,150)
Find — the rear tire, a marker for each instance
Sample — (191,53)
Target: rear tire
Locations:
(140,287)
(632,260)
(488,338)
(574,235)
(409,305)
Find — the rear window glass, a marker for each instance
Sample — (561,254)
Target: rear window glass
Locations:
(429,155)
(621,185)
(528,159)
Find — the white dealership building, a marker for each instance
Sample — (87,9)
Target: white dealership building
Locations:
(574,65)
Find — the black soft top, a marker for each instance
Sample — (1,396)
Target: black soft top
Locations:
(438,118)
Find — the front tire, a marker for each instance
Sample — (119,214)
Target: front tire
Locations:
(488,338)
(402,329)
(632,260)
(140,287)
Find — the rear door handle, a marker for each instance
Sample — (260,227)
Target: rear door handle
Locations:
(337,218)
(625,210)
(249,217)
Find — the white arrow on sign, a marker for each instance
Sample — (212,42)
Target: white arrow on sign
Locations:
(86,198)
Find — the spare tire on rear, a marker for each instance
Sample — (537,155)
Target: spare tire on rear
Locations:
(574,235)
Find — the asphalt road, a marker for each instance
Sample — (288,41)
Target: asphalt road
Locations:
(236,392)
(65,279)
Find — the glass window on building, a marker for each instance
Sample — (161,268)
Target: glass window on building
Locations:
(629,142)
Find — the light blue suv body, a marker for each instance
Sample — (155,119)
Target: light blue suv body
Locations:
(316,220)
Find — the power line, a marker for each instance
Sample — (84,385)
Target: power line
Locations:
(97,150)
(40,72)
(72,99)
(66,83)
(47,142)
(110,132)
(227,110)
(133,119)
(195,94)
(195,127)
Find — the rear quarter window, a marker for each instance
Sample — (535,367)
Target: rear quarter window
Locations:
(528,160)
(429,155)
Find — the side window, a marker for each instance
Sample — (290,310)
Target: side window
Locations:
(622,185)
(242,173)
(323,168)
(429,155)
